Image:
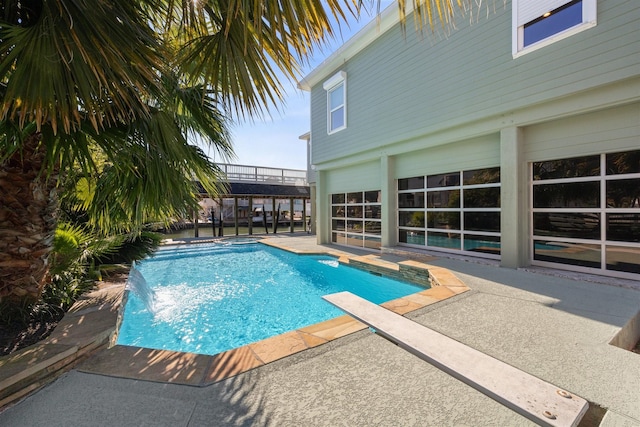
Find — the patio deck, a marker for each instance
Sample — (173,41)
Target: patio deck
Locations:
(550,326)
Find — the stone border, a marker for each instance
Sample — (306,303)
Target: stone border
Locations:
(84,330)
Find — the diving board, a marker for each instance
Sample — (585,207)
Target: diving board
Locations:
(535,399)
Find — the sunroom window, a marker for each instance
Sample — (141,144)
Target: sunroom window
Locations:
(538,23)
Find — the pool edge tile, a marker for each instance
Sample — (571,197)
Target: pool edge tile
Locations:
(401,305)
(334,328)
(310,339)
(231,363)
(148,364)
(279,346)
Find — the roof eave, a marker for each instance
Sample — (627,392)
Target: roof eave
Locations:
(387,19)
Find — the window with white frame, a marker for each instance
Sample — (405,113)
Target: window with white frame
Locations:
(336,88)
(356,219)
(456,211)
(538,23)
(586,213)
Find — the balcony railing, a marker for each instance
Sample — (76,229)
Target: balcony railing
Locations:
(264,175)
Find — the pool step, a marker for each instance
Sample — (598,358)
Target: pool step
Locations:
(521,392)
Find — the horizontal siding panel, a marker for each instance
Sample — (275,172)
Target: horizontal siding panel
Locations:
(617,129)
(400,88)
(362,177)
(465,155)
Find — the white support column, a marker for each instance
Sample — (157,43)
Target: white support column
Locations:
(514,217)
(322,214)
(387,187)
(312,213)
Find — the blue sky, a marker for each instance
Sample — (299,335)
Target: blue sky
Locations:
(273,141)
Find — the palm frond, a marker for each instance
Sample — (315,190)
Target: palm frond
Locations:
(100,59)
(242,48)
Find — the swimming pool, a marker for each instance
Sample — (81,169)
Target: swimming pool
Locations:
(209,298)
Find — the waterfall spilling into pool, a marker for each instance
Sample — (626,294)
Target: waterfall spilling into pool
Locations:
(138,285)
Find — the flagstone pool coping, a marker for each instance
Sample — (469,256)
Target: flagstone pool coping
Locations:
(82,339)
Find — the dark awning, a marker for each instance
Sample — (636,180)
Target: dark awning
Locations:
(262,190)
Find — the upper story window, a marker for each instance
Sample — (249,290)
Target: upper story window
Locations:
(538,23)
(336,88)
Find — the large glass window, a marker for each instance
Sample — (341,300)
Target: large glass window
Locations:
(537,23)
(455,211)
(356,219)
(586,212)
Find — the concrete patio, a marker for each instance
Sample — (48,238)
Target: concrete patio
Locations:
(546,323)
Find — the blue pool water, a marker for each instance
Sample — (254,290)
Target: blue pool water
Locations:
(208,298)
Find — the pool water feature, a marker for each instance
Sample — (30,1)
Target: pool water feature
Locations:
(209,298)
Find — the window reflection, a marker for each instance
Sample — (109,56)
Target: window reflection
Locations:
(354,211)
(623,258)
(482,197)
(372,196)
(623,193)
(447,220)
(481,176)
(558,20)
(354,240)
(373,212)
(623,227)
(411,219)
(567,168)
(443,180)
(372,242)
(443,199)
(354,197)
(411,237)
(338,238)
(482,244)
(482,221)
(569,195)
(338,224)
(354,226)
(621,163)
(444,240)
(411,200)
(559,224)
(373,227)
(567,253)
(411,183)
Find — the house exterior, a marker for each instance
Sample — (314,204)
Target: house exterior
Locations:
(513,137)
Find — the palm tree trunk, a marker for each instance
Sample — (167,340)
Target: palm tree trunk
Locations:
(28,204)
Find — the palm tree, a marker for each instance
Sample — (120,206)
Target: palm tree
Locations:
(132,80)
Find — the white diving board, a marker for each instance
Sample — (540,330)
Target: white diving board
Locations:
(535,399)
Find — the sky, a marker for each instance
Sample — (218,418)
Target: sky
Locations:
(274,141)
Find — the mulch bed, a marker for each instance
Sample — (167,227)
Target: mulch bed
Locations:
(18,335)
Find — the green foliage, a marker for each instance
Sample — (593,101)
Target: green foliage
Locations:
(73,263)
(133,248)
(80,255)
